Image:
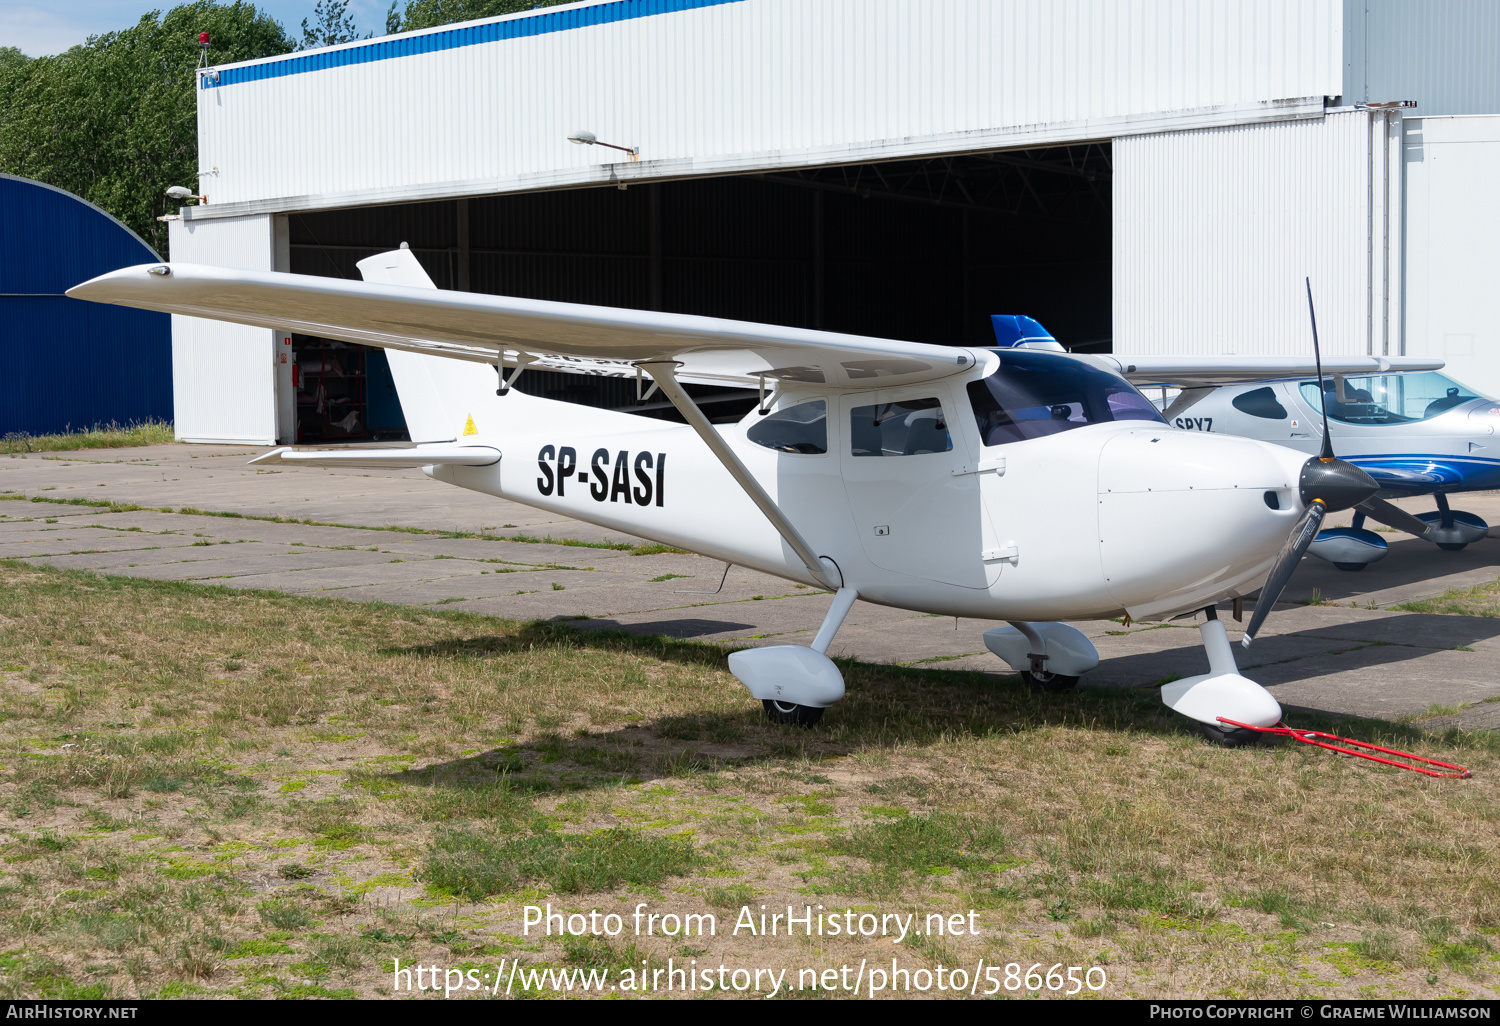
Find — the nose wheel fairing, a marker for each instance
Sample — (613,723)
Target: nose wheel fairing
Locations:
(1221,692)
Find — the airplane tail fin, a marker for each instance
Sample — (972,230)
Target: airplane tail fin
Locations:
(438,396)
(1017,331)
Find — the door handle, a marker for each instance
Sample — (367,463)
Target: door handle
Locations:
(983,466)
(1005,554)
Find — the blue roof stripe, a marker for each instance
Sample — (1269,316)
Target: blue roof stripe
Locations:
(540,23)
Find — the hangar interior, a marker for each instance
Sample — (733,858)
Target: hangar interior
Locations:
(923,250)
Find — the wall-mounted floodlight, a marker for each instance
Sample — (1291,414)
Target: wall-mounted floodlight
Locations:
(586,138)
(182,192)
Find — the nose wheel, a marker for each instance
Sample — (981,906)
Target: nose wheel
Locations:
(1051,682)
(793,715)
(1228,737)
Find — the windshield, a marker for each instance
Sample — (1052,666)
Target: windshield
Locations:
(1389,398)
(1035,394)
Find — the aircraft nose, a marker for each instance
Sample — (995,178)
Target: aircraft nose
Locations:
(1184,517)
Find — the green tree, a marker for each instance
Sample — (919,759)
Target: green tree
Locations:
(331,26)
(421,14)
(115,119)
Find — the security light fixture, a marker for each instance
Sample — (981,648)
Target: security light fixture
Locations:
(182,192)
(582,137)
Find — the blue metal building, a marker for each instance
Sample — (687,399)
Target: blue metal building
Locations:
(67,363)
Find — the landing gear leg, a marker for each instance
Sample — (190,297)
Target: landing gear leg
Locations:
(1445,521)
(1221,692)
(795,684)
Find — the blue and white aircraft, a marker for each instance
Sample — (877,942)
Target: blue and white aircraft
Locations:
(1412,429)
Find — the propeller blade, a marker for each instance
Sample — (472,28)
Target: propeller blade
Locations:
(1327,453)
(1391,515)
(1286,561)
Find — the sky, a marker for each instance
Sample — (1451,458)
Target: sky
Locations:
(38,28)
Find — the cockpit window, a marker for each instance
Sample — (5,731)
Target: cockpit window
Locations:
(802,428)
(1035,394)
(1389,398)
(911,427)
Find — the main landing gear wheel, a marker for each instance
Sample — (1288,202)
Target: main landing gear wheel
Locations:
(1044,681)
(1229,737)
(786,712)
(1452,546)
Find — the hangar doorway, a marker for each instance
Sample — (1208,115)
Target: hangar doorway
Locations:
(922,249)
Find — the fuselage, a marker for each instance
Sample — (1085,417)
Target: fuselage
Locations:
(920,500)
(1406,449)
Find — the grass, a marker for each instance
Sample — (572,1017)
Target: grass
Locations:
(100,436)
(453,769)
(1481,600)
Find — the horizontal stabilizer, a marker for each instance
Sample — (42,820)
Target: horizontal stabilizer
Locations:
(390,459)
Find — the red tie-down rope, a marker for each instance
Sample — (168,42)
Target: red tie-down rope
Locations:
(1311,737)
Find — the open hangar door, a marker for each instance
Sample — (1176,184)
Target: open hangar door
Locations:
(923,250)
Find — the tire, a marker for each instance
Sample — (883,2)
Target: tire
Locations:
(1228,737)
(1053,682)
(794,715)
(1351,567)
(1452,546)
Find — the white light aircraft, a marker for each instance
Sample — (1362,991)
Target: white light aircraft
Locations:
(1007,484)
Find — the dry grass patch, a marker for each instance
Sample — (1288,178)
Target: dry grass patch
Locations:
(1480,600)
(208,791)
(100,436)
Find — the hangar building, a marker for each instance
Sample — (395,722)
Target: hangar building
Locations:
(1152,175)
(71,365)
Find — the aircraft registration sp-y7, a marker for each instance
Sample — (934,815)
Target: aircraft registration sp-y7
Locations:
(1008,484)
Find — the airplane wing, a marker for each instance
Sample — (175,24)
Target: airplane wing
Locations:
(389,459)
(482,328)
(1191,371)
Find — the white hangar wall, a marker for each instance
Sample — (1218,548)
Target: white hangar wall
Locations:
(723,86)
(1452,259)
(1216,229)
(224,379)
(1440,53)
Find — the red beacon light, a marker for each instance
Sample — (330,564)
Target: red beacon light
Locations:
(203,39)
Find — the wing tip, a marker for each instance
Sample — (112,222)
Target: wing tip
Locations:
(274,456)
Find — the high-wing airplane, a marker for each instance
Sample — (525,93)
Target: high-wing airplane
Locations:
(1008,484)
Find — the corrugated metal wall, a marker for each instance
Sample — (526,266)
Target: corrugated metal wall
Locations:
(1441,54)
(727,87)
(224,374)
(67,363)
(1216,229)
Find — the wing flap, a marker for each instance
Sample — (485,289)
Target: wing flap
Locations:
(385,459)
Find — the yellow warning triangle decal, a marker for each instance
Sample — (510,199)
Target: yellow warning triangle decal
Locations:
(469,428)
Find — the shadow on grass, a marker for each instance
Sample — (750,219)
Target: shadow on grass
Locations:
(886,707)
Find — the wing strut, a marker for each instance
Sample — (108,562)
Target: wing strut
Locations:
(665,375)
